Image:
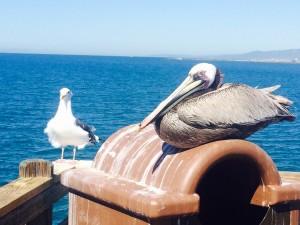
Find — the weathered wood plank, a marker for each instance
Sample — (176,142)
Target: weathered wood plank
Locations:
(21,190)
(295,176)
(62,165)
(31,209)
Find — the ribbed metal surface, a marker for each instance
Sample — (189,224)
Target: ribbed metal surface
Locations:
(143,157)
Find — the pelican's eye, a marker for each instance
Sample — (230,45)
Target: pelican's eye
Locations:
(200,75)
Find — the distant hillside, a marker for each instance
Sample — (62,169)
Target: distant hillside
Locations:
(292,55)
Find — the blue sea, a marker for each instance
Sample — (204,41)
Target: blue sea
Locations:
(113,92)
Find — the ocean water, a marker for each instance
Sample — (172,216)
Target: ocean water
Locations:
(113,92)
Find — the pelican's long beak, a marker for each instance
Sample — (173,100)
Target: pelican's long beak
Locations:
(187,87)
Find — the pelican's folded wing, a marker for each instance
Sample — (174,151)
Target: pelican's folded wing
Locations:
(231,105)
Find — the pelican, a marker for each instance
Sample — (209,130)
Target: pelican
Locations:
(203,110)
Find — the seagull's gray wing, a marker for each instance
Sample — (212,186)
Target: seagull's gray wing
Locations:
(230,105)
(89,129)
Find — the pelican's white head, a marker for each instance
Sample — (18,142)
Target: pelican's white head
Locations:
(200,77)
(204,71)
(66,94)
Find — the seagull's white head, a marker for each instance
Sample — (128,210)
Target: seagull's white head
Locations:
(66,94)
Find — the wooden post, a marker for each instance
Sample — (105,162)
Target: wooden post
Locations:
(38,168)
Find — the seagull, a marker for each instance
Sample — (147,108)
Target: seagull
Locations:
(64,129)
(203,109)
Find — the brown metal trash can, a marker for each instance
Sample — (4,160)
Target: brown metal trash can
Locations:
(136,178)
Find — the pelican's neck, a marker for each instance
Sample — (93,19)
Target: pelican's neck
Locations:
(64,109)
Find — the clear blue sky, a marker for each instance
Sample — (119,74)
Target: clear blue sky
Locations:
(153,27)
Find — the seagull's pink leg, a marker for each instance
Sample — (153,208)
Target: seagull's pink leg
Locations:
(74,152)
(62,153)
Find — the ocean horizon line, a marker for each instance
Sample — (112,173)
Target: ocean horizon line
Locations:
(199,58)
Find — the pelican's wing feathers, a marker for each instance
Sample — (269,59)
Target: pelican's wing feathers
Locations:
(232,104)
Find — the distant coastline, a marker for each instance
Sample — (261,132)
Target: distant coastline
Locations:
(286,61)
(279,56)
(271,61)
(260,60)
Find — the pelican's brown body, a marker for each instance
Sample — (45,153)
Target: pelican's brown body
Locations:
(226,113)
(202,110)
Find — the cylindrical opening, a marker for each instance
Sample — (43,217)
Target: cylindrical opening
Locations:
(225,193)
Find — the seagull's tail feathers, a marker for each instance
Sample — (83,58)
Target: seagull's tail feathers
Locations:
(94,139)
